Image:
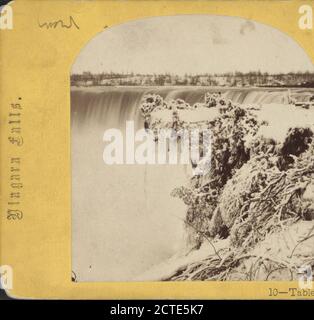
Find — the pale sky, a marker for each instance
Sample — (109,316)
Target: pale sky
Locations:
(192,44)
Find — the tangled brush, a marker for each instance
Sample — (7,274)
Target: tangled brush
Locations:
(201,202)
(254,190)
(258,202)
(215,100)
(255,187)
(278,201)
(151,102)
(281,199)
(228,153)
(229,134)
(296,143)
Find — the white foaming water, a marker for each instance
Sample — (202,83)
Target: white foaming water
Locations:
(124,219)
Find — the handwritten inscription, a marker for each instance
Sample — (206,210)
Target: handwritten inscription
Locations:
(59,23)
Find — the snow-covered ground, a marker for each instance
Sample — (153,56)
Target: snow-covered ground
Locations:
(278,118)
(294,245)
(281,117)
(182,259)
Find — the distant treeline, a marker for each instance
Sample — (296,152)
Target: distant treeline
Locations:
(232,79)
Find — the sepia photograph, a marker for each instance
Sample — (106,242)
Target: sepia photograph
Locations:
(192,152)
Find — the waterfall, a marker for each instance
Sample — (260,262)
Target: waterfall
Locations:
(124,220)
(114,105)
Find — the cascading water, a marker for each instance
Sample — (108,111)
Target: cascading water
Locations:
(124,219)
